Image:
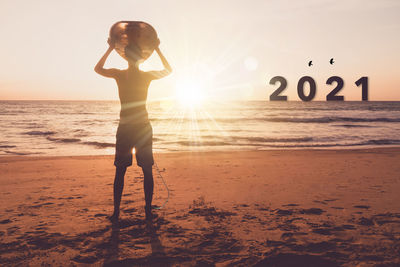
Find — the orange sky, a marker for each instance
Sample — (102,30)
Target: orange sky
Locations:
(49,48)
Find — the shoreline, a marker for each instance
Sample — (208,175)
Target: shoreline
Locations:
(352,149)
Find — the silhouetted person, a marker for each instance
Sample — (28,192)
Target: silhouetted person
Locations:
(134,129)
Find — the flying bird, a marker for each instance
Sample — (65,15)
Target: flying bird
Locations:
(331,61)
(310,63)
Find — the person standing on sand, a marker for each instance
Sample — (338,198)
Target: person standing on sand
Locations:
(134,129)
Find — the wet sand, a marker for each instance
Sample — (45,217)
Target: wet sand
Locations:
(262,208)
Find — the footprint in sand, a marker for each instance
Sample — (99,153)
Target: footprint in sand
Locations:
(322,231)
(365,221)
(41,205)
(348,226)
(290,205)
(312,211)
(320,202)
(45,198)
(362,207)
(12,230)
(5,221)
(100,215)
(385,218)
(88,259)
(132,210)
(331,199)
(284,212)
(247,217)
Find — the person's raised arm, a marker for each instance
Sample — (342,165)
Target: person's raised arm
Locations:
(99,68)
(167,68)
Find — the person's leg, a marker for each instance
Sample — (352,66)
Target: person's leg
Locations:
(148,189)
(144,158)
(118,188)
(123,159)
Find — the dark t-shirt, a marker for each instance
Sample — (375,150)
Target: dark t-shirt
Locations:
(132,89)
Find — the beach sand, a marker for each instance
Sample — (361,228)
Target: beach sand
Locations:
(263,208)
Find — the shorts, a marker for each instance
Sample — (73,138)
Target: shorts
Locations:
(138,136)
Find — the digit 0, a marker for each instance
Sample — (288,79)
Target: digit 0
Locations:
(300,88)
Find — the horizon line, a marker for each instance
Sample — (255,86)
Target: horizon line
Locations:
(231,100)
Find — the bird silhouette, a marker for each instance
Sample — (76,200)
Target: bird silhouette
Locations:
(331,61)
(310,63)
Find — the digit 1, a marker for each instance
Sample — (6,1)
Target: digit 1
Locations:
(364,85)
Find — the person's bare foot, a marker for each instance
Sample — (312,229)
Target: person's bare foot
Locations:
(149,214)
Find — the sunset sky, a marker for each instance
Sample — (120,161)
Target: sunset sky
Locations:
(225,49)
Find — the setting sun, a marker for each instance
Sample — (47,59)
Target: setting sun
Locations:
(190,93)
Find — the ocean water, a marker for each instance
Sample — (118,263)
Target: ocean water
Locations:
(89,127)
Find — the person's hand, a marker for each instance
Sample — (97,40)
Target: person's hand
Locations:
(157,48)
(111,42)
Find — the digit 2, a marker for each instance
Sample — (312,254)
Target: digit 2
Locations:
(332,95)
(275,95)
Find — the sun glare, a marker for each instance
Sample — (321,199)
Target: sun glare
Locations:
(190,93)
